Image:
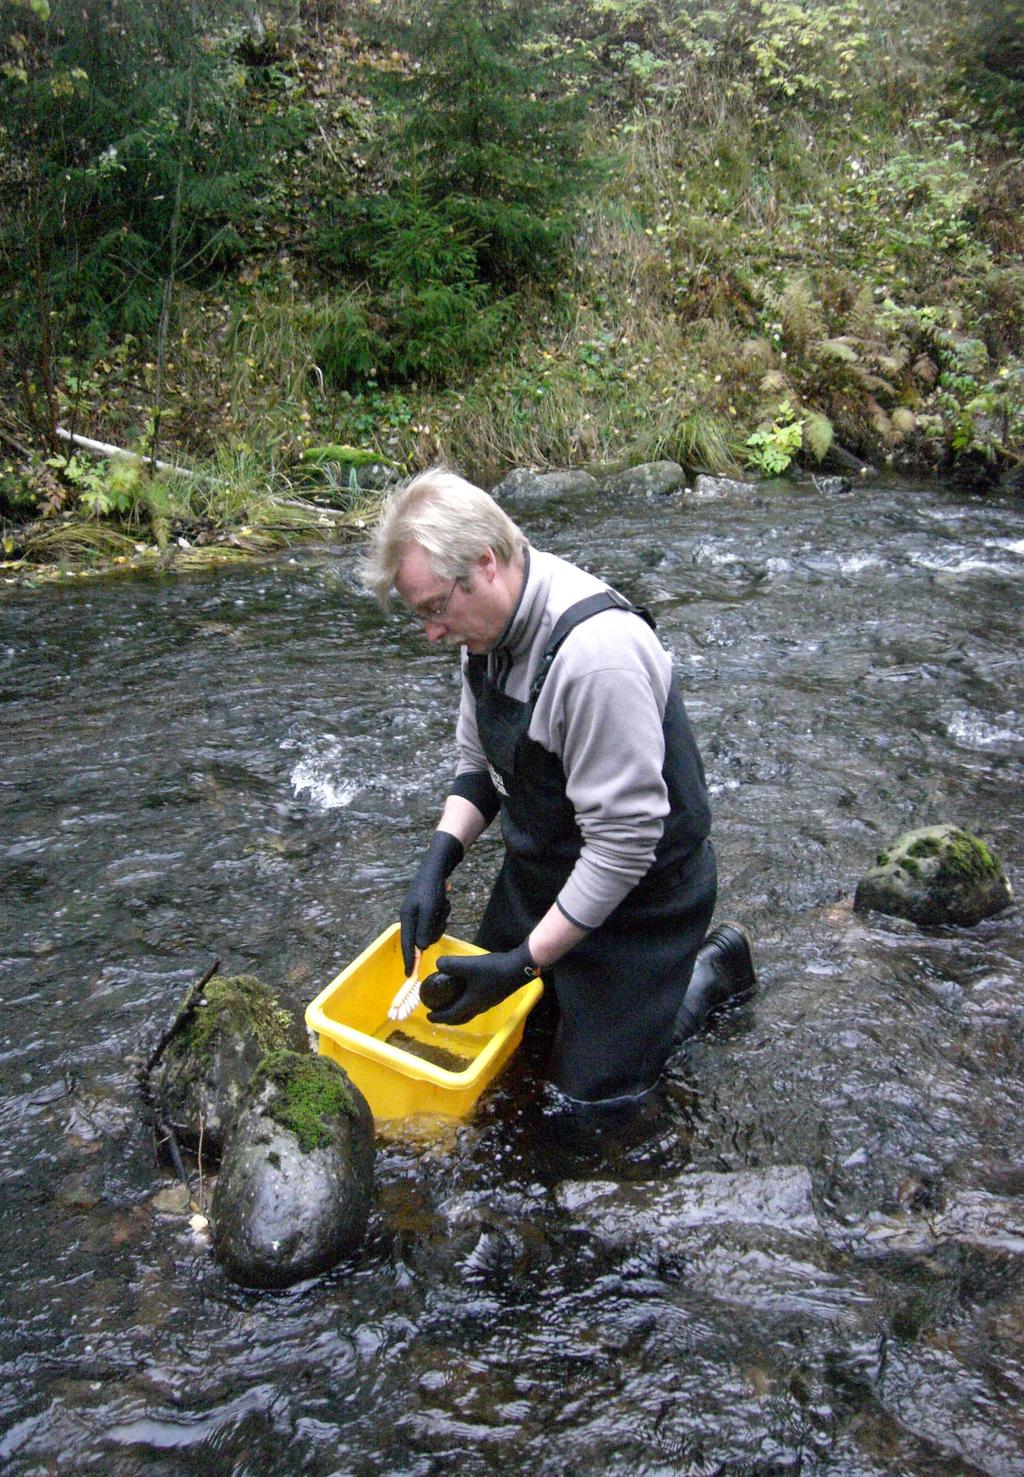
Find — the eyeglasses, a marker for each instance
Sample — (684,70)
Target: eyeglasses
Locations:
(437,612)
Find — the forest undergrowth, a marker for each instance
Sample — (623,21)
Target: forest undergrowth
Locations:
(280,255)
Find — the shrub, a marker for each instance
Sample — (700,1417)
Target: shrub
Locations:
(422,312)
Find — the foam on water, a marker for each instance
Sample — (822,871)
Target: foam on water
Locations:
(317,776)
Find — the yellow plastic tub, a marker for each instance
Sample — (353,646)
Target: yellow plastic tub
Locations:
(404,1068)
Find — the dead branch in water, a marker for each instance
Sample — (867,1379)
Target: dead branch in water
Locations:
(163,1134)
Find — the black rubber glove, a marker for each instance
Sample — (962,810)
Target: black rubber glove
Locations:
(425,910)
(486,979)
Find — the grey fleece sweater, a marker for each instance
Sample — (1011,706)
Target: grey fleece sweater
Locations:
(600,710)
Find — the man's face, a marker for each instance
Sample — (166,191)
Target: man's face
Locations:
(473,617)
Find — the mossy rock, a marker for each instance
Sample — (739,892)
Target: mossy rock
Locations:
(937,874)
(650,479)
(295,1187)
(523,483)
(209,1063)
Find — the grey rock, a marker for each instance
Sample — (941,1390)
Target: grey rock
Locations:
(656,479)
(207,1066)
(296,1184)
(970,1218)
(930,1389)
(832,486)
(1013,480)
(838,459)
(710,487)
(377,477)
(935,875)
(523,483)
(776,1199)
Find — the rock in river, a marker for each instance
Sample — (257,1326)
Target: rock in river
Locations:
(521,482)
(648,479)
(296,1181)
(209,1060)
(938,874)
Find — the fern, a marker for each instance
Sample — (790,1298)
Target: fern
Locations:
(837,348)
(801,315)
(817,435)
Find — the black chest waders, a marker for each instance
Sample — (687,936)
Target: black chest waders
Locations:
(618,991)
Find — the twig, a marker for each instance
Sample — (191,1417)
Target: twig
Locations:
(184,1015)
(163,1133)
(170,1138)
(199,1165)
(14,444)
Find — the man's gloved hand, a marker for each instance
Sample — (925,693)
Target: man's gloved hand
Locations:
(486,979)
(424,912)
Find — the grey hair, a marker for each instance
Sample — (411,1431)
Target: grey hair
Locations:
(451,520)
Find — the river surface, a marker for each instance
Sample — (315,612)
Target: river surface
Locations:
(808,1254)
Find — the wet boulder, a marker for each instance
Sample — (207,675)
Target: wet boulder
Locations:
(934,875)
(647,480)
(524,483)
(832,486)
(220,1038)
(715,487)
(296,1181)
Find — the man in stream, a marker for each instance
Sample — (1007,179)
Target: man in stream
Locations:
(571,724)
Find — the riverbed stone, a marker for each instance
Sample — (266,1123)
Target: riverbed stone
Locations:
(846,464)
(935,875)
(776,1199)
(295,1187)
(832,486)
(712,487)
(209,1062)
(649,479)
(524,483)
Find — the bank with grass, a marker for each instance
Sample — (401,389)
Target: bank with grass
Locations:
(293,253)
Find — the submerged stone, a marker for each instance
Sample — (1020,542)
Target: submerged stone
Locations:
(296,1182)
(775,1199)
(934,875)
(208,1064)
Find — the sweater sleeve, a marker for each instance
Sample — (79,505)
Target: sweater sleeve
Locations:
(607,724)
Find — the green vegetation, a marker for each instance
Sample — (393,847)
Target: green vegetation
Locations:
(309,1093)
(234,237)
(236,1007)
(967,856)
(955,854)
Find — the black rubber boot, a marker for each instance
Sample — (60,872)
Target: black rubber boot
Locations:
(723,975)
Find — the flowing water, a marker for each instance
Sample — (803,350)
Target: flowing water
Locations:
(805,1257)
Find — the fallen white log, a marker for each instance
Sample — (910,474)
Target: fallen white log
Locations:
(118,453)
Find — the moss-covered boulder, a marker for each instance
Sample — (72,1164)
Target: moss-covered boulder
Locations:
(210,1060)
(296,1181)
(938,874)
(650,479)
(522,483)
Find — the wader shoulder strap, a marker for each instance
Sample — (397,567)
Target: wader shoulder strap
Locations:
(476,673)
(573,617)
